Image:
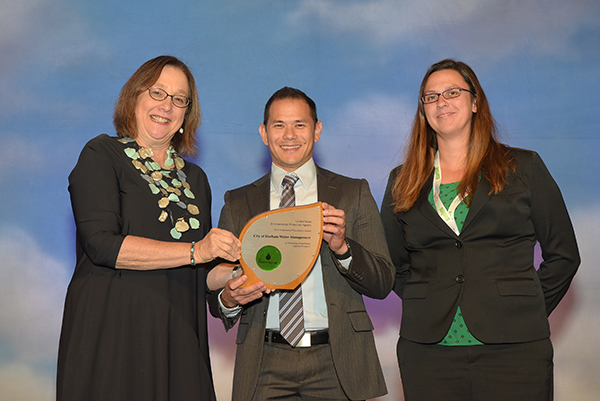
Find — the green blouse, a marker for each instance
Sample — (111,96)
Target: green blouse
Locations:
(459,333)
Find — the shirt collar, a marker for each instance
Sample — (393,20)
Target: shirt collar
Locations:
(306,173)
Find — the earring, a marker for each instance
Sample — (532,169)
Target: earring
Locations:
(181,130)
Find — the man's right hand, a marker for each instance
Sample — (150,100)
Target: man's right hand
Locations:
(233,295)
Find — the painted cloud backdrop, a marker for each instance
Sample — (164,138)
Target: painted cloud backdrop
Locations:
(64,61)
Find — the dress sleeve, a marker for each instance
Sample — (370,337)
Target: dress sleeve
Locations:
(554,232)
(95,197)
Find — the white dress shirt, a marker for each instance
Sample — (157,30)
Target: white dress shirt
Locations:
(313,291)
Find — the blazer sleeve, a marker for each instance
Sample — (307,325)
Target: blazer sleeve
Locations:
(554,232)
(394,235)
(371,272)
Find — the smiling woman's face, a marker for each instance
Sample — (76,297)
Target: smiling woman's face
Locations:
(159,121)
(449,117)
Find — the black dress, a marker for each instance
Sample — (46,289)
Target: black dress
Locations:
(133,335)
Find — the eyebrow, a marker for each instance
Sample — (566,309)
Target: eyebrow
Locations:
(284,121)
(163,87)
(447,88)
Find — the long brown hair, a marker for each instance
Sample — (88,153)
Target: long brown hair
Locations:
(485,155)
(124,115)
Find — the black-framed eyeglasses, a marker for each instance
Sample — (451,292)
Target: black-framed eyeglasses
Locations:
(161,94)
(447,94)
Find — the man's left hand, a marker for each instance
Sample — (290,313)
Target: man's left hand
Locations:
(334,229)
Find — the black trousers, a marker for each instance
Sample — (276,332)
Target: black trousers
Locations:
(515,372)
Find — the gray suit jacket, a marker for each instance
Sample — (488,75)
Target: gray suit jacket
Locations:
(371,273)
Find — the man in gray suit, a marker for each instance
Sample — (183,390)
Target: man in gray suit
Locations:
(334,357)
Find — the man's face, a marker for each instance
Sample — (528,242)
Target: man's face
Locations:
(290,133)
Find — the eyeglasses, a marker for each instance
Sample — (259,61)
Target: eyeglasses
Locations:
(447,94)
(161,94)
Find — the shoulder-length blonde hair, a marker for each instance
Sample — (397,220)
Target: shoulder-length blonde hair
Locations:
(124,115)
(485,155)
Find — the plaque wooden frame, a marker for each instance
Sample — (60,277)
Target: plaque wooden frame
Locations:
(287,278)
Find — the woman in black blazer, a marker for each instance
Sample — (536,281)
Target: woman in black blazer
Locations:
(462,215)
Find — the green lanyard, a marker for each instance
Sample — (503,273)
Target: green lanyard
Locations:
(446,214)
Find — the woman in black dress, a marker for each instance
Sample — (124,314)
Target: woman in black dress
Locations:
(134,325)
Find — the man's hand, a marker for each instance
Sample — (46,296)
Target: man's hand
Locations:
(233,295)
(334,229)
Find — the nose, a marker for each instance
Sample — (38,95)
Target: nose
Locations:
(289,133)
(441,102)
(167,103)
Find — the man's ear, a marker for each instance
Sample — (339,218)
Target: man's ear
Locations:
(318,129)
(262,129)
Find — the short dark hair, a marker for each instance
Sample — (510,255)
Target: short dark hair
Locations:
(290,93)
(124,115)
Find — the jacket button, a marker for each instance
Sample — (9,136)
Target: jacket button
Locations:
(458,244)
(460,279)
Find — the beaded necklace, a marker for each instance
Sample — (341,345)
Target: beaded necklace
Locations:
(169,183)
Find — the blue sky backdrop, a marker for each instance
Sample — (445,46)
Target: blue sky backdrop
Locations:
(64,61)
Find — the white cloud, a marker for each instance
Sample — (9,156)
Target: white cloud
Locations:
(32,290)
(384,21)
(375,122)
(52,31)
(38,37)
(374,109)
(20,382)
(385,341)
(494,27)
(576,345)
(12,149)
(14,18)
(586,222)
(222,368)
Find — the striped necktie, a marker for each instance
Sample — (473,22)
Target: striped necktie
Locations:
(291,313)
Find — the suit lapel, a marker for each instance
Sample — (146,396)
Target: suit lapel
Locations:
(327,191)
(259,195)
(327,188)
(429,211)
(480,198)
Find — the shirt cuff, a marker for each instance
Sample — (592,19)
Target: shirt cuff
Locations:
(346,263)
(344,259)
(228,312)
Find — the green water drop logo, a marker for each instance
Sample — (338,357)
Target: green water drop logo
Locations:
(268,258)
